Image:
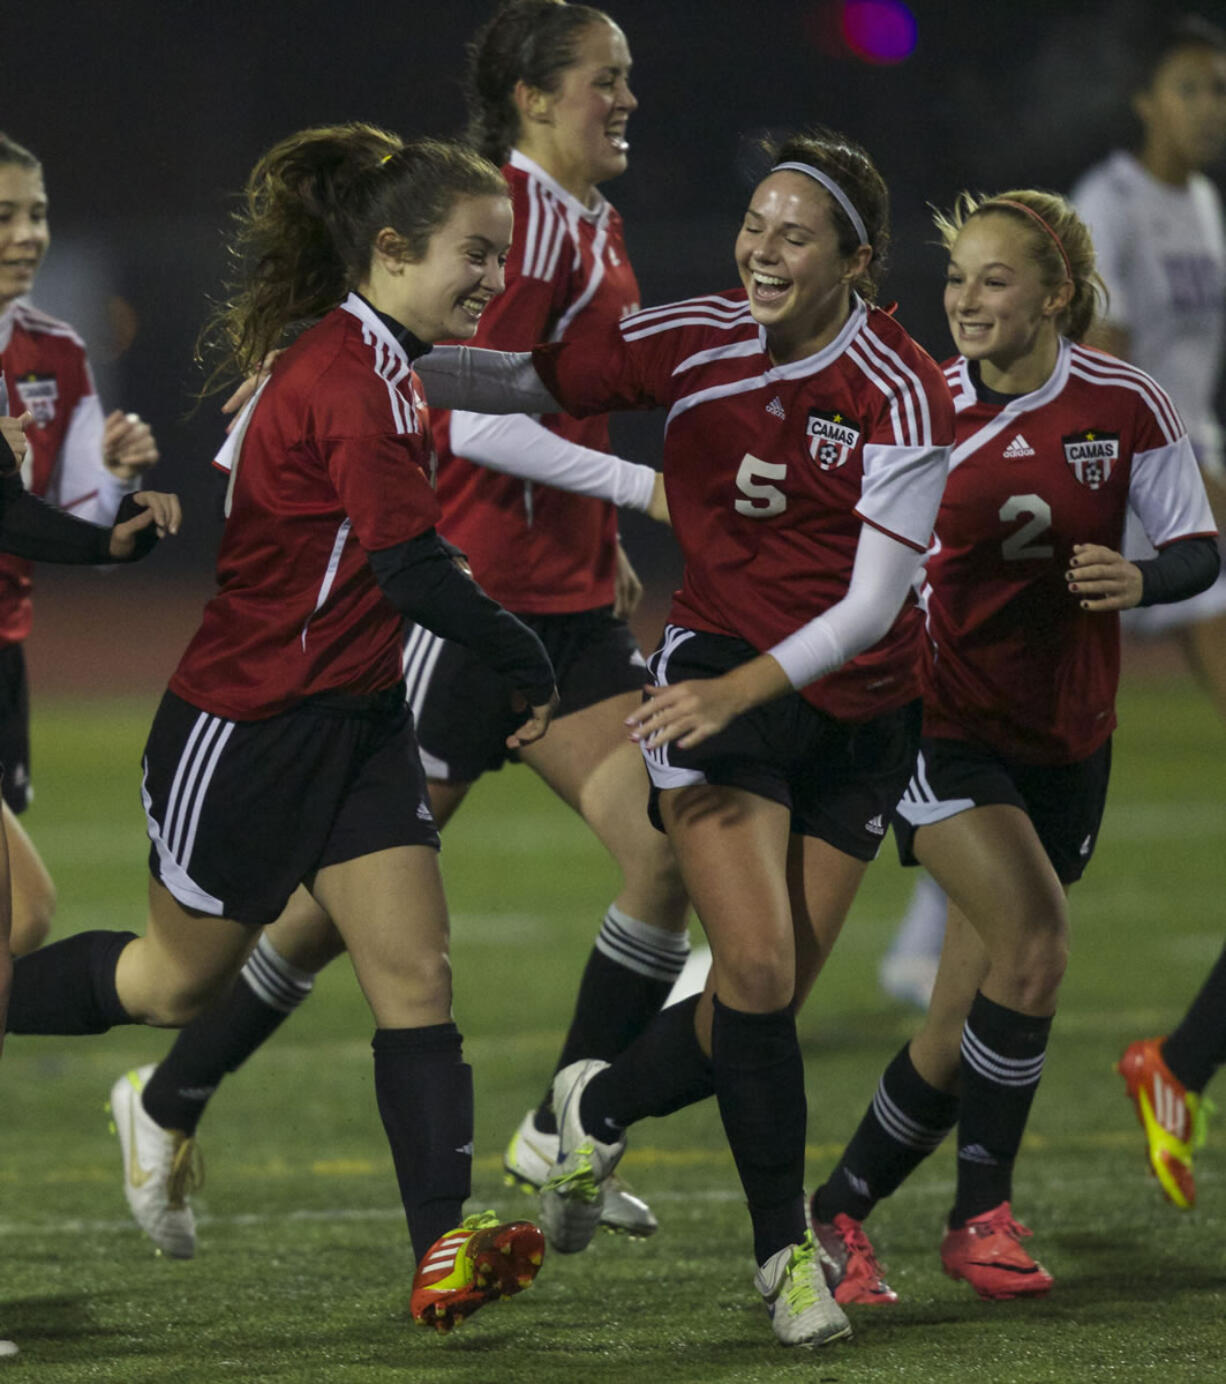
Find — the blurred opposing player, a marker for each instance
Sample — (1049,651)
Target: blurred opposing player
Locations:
(549,96)
(1055,443)
(80,460)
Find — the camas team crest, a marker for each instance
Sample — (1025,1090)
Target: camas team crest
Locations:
(39,394)
(832,438)
(1091,455)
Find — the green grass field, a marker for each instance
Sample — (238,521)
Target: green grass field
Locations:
(303,1266)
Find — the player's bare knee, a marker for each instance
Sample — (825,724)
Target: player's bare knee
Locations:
(755,983)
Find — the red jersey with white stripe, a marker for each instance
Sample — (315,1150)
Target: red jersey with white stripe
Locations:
(1015,663)
(46,372)
(533,548)
(334,464)
(772,469)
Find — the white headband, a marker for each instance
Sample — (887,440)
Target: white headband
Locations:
(833,189)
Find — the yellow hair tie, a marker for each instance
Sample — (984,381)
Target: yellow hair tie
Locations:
(388,157)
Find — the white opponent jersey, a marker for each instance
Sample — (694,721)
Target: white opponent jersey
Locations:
(1162,253)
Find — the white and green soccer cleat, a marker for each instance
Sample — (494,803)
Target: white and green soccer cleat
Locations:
(802,1310)
(573,1194)
(161,1168)
(528,1158)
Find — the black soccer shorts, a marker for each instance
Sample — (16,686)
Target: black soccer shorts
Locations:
(1064,801)
(462,708)
(240,813)
(15,727)
(840,779)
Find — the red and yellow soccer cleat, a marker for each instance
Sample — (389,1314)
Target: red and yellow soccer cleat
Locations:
(988,1254)
(483,1260)
(851,1266)
(1172,1117)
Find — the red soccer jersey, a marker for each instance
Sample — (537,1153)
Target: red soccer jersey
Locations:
(46,373)
(771,469)
(533,548)
(334,464)
(1015,663)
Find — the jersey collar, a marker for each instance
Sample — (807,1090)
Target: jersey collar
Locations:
(1023,403)
(393,334)
(8,320)
(810,365)
(534,170)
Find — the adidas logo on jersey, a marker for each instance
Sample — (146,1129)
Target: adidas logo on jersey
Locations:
(776,407)
(876,825)
(1019,447)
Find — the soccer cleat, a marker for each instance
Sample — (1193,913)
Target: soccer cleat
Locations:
(483,1260)
(528,1158)
(802,1309)
(8,1350)
(987,1252)
(161,1168)
(573,1194)
(908,979)
(852,1270)
(1172,1117)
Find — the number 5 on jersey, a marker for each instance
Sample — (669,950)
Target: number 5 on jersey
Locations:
(762,501)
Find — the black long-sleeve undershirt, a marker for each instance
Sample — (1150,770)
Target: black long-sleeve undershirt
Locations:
(422,581)
(1182,569)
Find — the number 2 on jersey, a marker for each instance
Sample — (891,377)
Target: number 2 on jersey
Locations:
(1021,544)
(761,501)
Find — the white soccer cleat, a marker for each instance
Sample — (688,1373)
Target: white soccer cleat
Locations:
(161,1168)
(8,1350)
(573,1195)
(528,1158)
(802,1310)
(909,979)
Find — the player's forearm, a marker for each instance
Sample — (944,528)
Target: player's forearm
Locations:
(480,381)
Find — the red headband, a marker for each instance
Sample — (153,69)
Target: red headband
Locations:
(1034,216)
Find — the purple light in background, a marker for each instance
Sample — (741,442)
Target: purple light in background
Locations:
(879,31)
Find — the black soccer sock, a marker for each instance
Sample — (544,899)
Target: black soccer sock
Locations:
(69,986)
(905,1122)
(425,1093)
(663,1070)
(267,990)
(1002,1061)
(631,970)
(760,1085)
(1197,1048)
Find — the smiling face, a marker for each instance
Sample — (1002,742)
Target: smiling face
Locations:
(1001,312)
(443,295)
(24,235)
(1184,109)
(578,132)
(787,254)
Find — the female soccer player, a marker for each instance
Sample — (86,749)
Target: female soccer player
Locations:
(549,98)
(806,450)
(283,752)
(1054,443)
(78,459)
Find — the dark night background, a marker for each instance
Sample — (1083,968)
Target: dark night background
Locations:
(147,115)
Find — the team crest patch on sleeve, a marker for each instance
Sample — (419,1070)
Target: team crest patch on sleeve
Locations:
(1091,455)
(39,394)
(832,437)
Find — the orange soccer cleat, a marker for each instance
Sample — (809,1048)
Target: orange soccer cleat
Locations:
(483,1260)
(1172,1117)
(851,1266)
(988,1254)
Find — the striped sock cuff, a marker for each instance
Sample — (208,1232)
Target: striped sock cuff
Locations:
(995,1066)
(641,947)
(902,1127)
(278,983)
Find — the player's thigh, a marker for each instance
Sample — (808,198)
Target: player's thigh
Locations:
(390,910)
(304,934)
(732,848)
(992,865)
(823,881)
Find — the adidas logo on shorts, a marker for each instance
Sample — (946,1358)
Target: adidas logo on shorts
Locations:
(876,825)
(1019,447)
